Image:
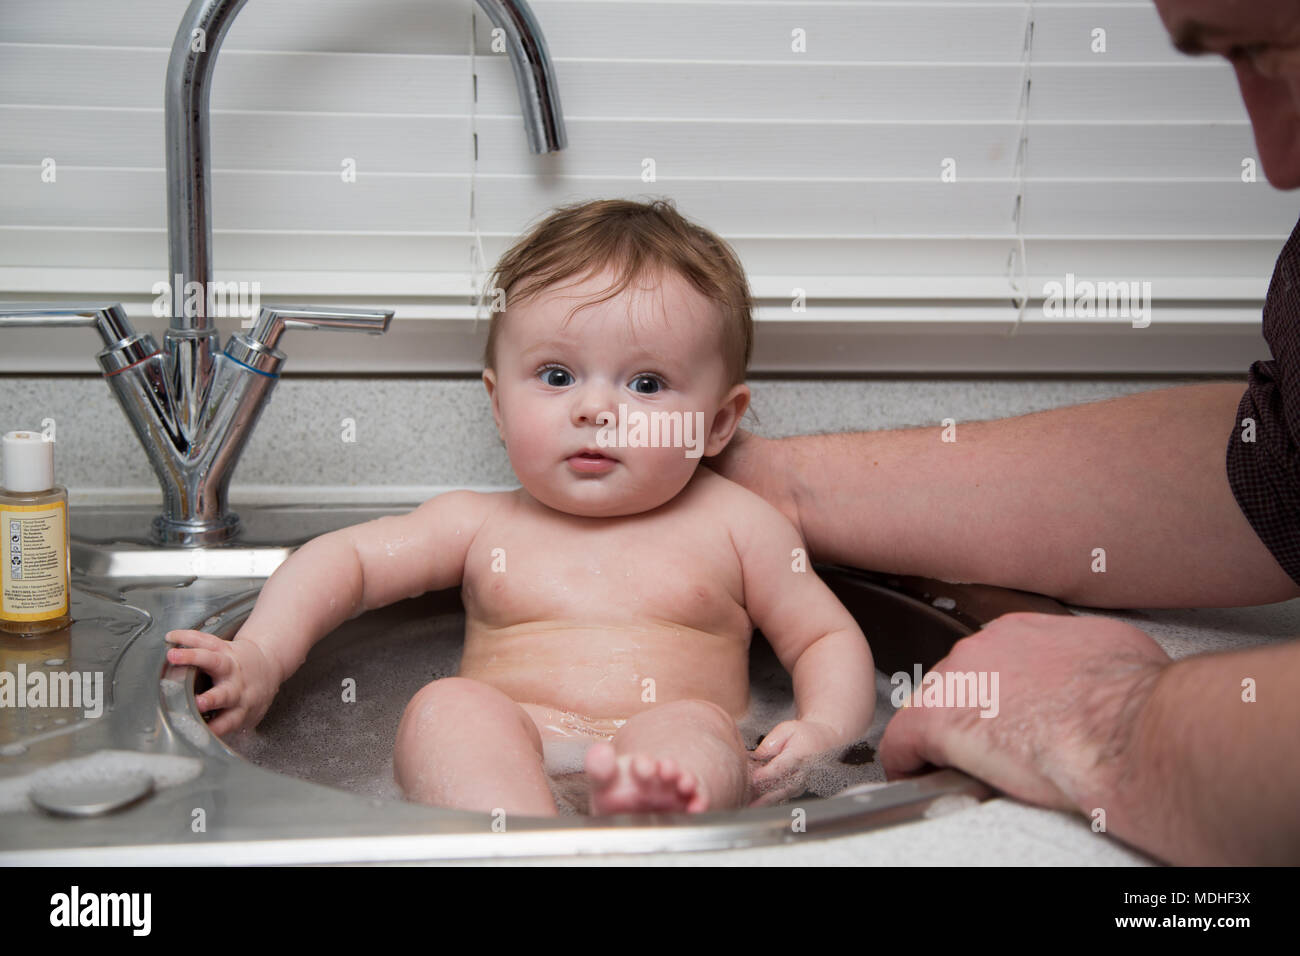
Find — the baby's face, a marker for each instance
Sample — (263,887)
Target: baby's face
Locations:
(558,385)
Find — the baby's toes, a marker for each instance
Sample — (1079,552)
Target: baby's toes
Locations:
(692,794)
(643,768)
(673,778)
(681,784)
(601,764)
(686,784)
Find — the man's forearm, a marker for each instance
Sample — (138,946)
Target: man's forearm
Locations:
(1208,777)
(1025,502)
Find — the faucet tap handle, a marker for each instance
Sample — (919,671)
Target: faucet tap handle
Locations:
(124,347)
(257,349)
(273,320)
(109,319)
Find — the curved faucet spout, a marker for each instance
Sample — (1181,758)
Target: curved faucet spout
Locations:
(189,85)
(539,91)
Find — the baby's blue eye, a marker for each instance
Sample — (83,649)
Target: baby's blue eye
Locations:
(646,378)
(549,376)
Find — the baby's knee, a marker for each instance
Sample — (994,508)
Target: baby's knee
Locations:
(461,702)
(447,696)
(711,716)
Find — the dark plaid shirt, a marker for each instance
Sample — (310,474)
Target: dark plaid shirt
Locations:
(1265,474)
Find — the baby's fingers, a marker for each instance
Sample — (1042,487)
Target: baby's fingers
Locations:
(775,741)
(227,721)
(775,791)
(217,697)
(774,772)
(195,639)
(218,665)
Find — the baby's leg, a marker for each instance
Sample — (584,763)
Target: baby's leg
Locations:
(685,755)
(464,744)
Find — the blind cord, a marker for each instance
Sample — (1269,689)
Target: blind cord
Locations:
(1017,260)
(477,257)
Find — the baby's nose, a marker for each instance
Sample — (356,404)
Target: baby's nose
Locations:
(595,405)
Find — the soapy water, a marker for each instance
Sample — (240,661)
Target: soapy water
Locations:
(313,733)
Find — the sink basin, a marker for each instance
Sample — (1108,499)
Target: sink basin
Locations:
(282,801)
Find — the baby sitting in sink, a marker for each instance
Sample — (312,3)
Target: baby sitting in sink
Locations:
(611,599)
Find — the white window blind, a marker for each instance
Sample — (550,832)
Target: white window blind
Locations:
(815,137)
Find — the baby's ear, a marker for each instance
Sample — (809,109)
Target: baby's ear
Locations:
(490,383)
(727,419)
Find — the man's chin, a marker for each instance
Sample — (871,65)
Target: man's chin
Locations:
(1274,109)
(1279,151)
(1283,173)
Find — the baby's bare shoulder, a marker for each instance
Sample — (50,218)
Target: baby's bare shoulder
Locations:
(744,511)
(480,501)
(465,509)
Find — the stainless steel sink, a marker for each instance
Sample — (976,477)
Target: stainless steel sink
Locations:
(146,782)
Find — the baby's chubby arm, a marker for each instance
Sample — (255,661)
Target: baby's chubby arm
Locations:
(330,579)
(816,639)
(343,574)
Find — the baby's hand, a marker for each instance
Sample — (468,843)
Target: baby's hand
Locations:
(785,754)
(244,681)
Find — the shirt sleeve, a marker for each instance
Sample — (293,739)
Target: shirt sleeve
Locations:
(1263,461)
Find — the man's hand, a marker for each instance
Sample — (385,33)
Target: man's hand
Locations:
(761,465)
(1070,690)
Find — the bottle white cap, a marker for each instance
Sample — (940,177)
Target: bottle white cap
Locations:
(28,462)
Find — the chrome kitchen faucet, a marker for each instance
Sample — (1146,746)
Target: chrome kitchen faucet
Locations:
(193,406)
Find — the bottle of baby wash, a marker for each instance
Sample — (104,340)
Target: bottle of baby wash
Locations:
(34,576)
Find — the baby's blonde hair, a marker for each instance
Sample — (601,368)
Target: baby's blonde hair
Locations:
(637,239)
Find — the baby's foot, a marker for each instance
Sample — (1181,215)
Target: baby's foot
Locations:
(637,783)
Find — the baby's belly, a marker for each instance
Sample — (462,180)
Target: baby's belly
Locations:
(608,672)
